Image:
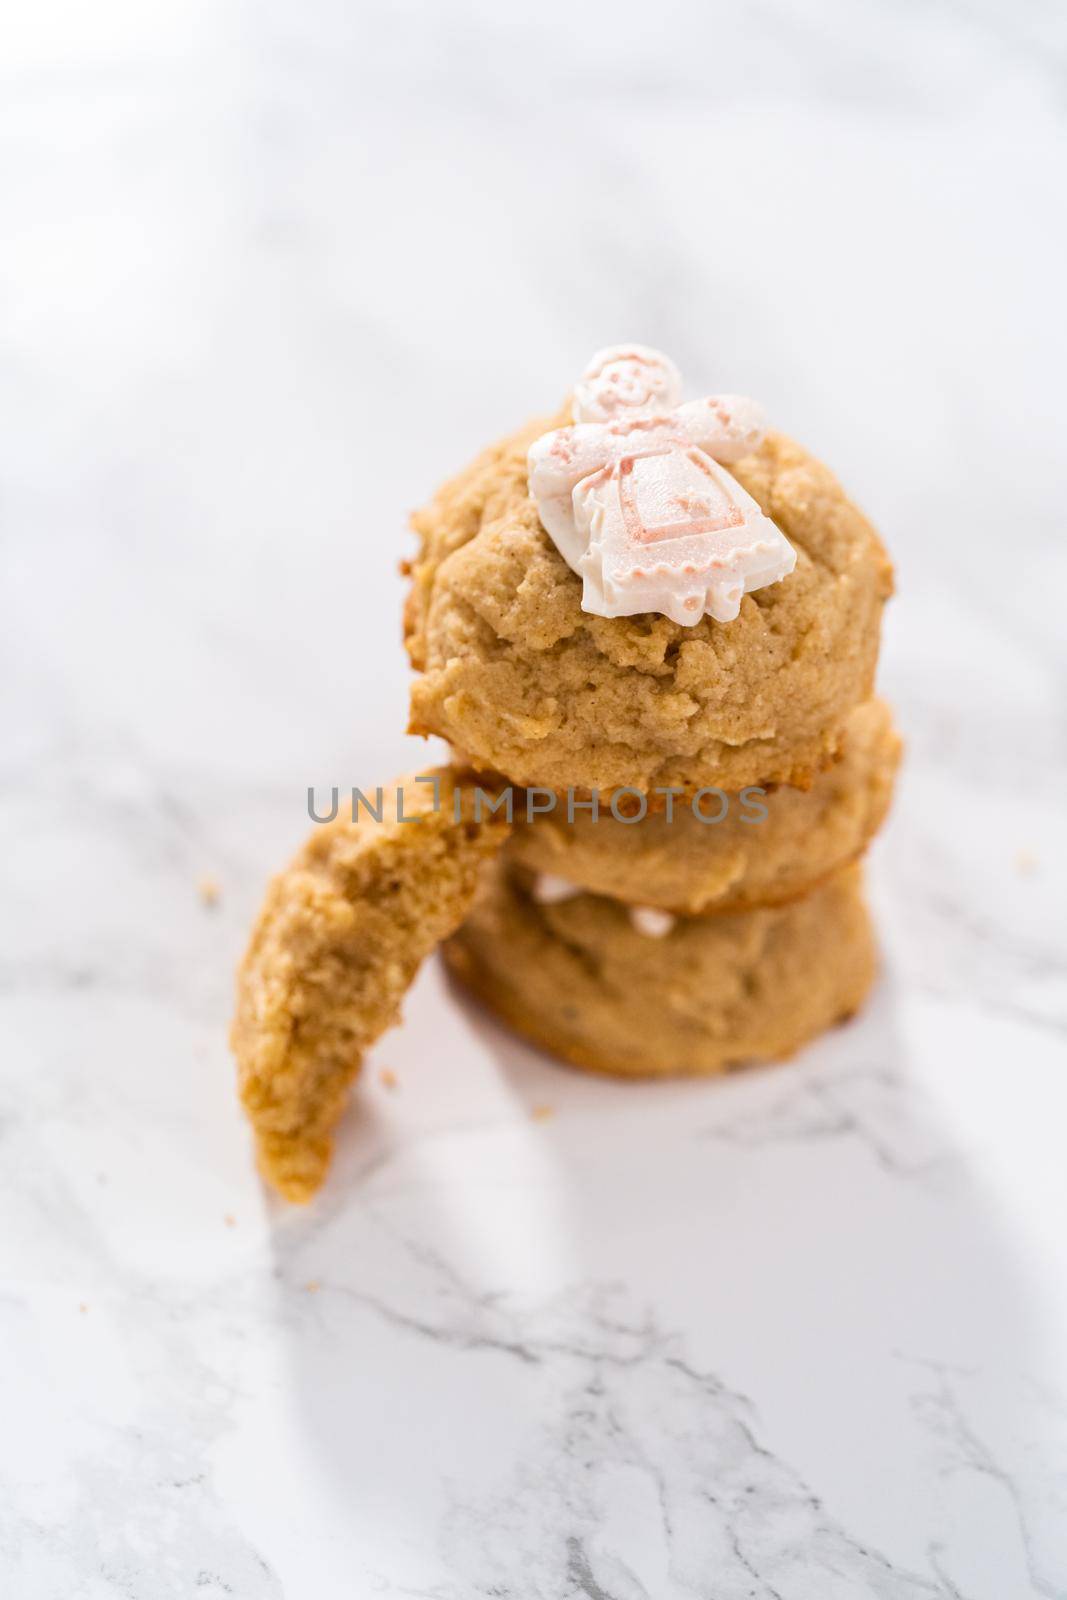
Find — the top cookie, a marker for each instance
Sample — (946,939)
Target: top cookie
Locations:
(524,682)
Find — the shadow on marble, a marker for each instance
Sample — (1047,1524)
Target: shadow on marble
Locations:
(672,1339)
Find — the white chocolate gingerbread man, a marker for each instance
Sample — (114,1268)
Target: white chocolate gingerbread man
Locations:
(636,500)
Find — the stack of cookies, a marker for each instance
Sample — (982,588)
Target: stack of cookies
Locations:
(651,630)
(656,677)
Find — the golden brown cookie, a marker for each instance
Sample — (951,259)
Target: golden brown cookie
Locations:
(517,675)
(767,847)
(578,979)
(337,944)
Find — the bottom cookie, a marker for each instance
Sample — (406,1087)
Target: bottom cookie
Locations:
(579,979)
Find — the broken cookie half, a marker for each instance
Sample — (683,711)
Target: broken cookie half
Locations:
(337,944)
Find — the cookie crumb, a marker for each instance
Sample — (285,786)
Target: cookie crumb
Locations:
(1025,862)
(83,1308)
(209,889)
(230,1220)
(388,1078)
(313,1287)
(542,1113)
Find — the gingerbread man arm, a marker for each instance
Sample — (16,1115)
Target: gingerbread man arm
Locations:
(561,459)
(725,426)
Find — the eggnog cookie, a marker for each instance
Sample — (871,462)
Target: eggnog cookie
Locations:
(724,852)
(687,996)
(337,944)
(518,672)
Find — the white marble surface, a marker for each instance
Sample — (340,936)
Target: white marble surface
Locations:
(269,271)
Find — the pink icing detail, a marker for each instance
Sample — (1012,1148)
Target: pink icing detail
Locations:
(642,532)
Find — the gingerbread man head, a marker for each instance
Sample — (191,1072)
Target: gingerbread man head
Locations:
(626,378)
